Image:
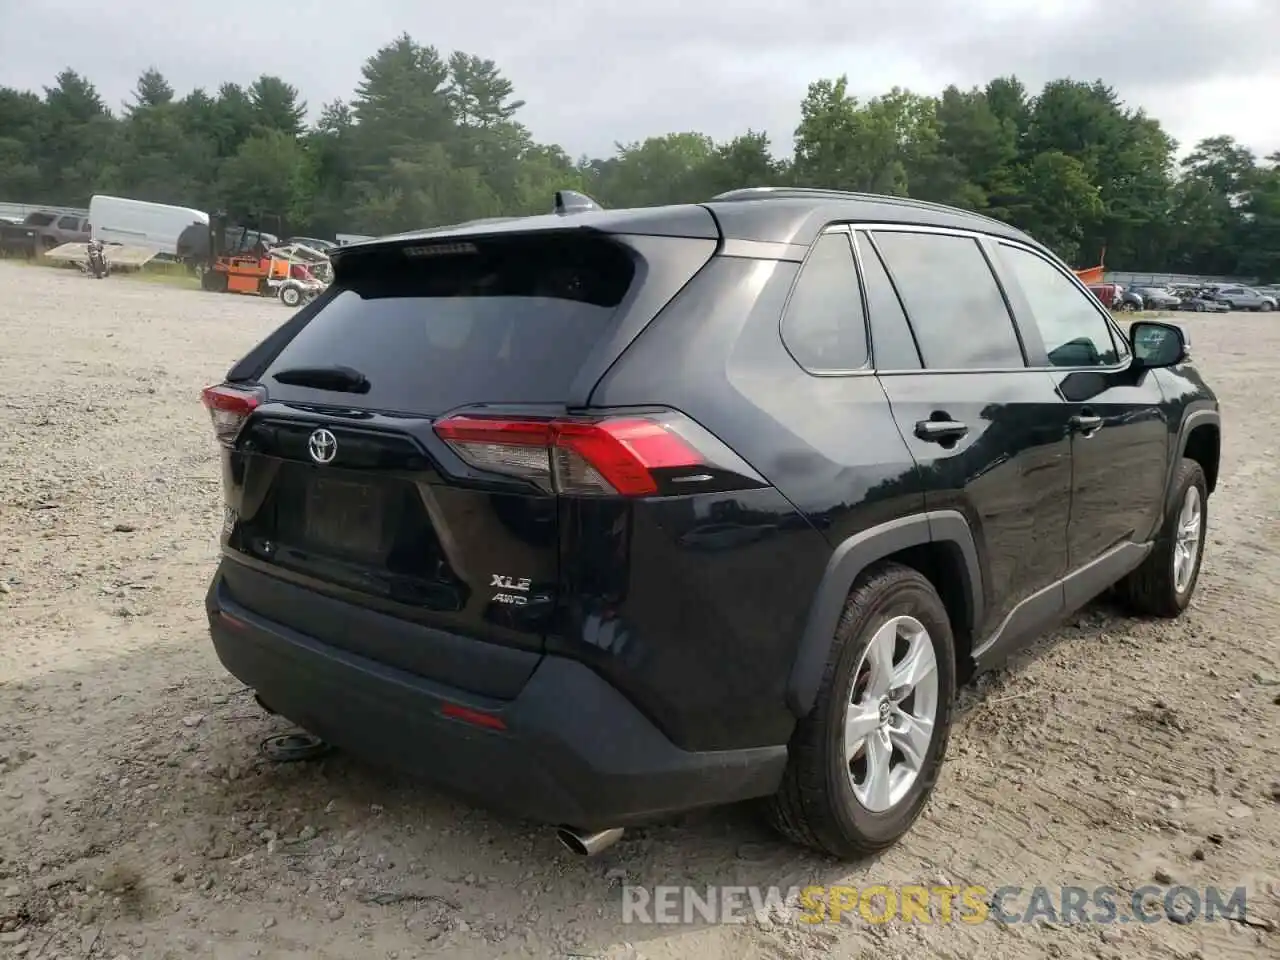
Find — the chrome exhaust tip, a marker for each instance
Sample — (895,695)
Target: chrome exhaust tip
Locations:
(587,844)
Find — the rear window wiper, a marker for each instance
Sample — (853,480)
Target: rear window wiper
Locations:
(336,378)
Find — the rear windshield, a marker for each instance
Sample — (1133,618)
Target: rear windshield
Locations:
(496,322)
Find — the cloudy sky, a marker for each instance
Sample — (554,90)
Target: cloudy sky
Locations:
(619,70)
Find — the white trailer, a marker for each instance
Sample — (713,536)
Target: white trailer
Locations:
(139,223)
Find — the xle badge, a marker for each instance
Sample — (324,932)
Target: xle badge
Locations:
(505,584)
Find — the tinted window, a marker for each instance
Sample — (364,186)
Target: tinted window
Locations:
(69,223)
(955,305)
(1074,332)
(511,321)
(39,219)
(891,344)
(824,327)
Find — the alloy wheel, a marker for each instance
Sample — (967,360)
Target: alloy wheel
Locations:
(892,711)
(1186,544)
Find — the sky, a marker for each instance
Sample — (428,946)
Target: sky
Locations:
(609,71)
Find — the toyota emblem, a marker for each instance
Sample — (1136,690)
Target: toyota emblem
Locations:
(323,446)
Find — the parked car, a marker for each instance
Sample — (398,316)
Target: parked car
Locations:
(489,545)
(19,239)
(1131,301)
(1157,298)
(1201,300)
(1108,294)
(1245,298)
(322,246)
(56,229)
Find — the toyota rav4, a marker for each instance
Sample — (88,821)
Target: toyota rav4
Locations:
(607,514)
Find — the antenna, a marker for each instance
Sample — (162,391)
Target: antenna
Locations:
(570,201)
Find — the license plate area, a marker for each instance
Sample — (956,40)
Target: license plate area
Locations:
(346,517)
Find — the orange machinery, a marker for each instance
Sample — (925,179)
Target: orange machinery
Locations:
(236,266)
(246,273)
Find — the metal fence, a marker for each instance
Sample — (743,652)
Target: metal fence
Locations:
(1171,279)
(19,211)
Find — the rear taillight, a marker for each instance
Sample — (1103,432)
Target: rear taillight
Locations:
(631,456)
(230,406)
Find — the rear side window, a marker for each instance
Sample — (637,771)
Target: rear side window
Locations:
(824,327)
(957,311)
(69,223)
(892,345)
(437,326)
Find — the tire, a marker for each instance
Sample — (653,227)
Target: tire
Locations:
(819,803)
(1157,588)
(1265,307)
(214,281)
(290,296)
(1127,307)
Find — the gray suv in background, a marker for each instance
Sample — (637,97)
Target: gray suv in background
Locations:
(1245,298)
(56,229)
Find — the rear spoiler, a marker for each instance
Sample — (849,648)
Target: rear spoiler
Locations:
(567,202)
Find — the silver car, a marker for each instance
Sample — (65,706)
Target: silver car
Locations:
(1245,298)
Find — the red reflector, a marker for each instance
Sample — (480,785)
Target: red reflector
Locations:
(477,717)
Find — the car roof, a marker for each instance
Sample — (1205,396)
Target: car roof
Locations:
(775,215)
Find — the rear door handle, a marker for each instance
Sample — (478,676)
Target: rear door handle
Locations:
(1086,424)
(940,431)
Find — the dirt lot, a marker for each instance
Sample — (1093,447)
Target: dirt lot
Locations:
(138,818)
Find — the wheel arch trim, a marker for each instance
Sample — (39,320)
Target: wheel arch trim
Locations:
(1202,416)
(849,559)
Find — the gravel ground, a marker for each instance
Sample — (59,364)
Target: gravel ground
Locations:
(139,819)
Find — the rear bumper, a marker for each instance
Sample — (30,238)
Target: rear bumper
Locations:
(574,750)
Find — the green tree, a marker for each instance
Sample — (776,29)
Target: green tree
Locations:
(269,177)
(429,138)
(275,106)
(22,115)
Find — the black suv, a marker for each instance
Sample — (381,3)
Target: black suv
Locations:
(598,516)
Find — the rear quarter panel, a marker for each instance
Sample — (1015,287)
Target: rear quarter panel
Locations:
(717,614)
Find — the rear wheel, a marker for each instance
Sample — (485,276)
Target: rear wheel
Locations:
(864,761)
(213,280)
(290,296)
(1164,584)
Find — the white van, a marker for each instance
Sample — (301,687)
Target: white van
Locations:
(138,223)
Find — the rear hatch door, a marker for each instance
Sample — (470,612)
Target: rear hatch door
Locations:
(353,521)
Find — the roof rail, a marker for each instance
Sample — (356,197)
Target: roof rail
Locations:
(821,193)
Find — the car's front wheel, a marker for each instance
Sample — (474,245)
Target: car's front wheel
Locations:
(863,762)
(1164,584)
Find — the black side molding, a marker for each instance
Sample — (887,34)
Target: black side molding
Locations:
(848,561)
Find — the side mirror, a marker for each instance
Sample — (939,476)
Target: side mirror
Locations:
(1158,344)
